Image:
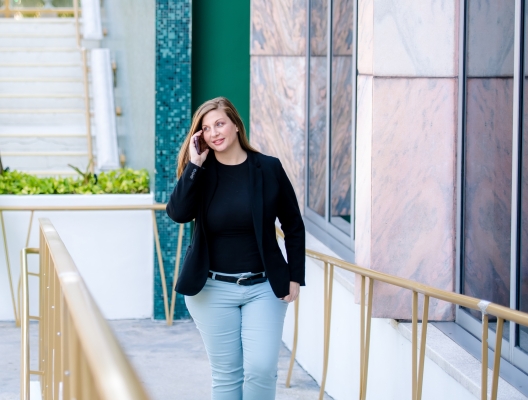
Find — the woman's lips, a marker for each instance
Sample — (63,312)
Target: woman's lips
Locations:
(218,141)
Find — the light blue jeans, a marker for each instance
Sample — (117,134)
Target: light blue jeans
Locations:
(241,327)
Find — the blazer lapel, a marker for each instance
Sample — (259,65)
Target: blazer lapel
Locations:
(256,195)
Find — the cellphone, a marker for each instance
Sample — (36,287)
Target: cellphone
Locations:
(197,145)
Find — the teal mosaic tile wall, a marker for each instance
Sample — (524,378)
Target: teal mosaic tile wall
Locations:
(173,118)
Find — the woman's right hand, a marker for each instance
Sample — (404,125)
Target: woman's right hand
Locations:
(197,159)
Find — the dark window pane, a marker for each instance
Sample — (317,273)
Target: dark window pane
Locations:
(317,108)
(341,120)
(488,149)
(523,207)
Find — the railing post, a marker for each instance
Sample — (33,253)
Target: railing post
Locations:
(497,358)
(414,341)
(362,338)
(423,340)
(87,111)
(484,371)
(295,338)
(328,282)
(176,273)
(24,322)
(161,267)
(17,317)
(365,344)
(76,15)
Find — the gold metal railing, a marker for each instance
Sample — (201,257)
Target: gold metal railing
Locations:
(418,352)
(168,307)
(79,357)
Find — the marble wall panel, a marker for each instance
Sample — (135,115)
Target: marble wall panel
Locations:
(413,182)
(278,27)
(490,34)
(365,36)
(341,140)
(317,135)
(318,27)
(277,121)
(342,27)
(363,171)
(415,38)
(488,180)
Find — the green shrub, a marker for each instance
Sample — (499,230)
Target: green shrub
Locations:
(121,181)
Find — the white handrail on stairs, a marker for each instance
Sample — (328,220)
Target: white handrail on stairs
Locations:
(91,13)
(104,110)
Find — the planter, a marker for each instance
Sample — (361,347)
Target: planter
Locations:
(113,250)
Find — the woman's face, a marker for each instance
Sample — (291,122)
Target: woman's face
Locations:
(219,132)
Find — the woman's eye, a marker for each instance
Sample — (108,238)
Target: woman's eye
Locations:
(204,129)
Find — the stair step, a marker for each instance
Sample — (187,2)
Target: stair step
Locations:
(42,55)
(41,135)
(46,49)
(36,119)
(41,111)
(43,143)
(49,87)
(46,102)
(33,41)
(44,130)
(41,71)
(44,26)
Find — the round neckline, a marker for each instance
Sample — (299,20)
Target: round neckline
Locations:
(232,165)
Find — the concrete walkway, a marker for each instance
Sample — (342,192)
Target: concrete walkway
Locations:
(171,361)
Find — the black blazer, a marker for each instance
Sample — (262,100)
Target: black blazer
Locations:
(272,196)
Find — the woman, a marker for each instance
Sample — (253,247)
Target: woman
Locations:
(236,282)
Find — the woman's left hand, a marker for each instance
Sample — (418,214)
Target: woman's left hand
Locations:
(294,292)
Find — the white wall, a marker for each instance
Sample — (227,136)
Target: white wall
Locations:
(113,250)
(131,38)
(390,352)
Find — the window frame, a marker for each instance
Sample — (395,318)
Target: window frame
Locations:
(325,223)
(510,350)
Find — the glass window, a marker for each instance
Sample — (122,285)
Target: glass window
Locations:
(341,111)
(331,74)
(522,287)
(487,180)
(317,107)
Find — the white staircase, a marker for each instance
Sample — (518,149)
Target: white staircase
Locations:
(42,103)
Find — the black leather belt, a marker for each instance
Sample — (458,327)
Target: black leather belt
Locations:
(243,281)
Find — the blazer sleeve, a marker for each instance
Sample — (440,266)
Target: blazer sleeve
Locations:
(293,227)
(183,203)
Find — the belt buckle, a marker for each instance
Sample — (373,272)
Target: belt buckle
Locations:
(240,279)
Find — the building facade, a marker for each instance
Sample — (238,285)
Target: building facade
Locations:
(401,124)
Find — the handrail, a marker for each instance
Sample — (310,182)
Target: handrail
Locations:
(87,112)
(487,308)
(79,356)
(168,307)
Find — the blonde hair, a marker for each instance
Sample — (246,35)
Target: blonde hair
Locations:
(218,103)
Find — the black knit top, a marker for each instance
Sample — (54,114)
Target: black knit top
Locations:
(232,242)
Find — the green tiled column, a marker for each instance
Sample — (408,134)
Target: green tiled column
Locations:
(173,116)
